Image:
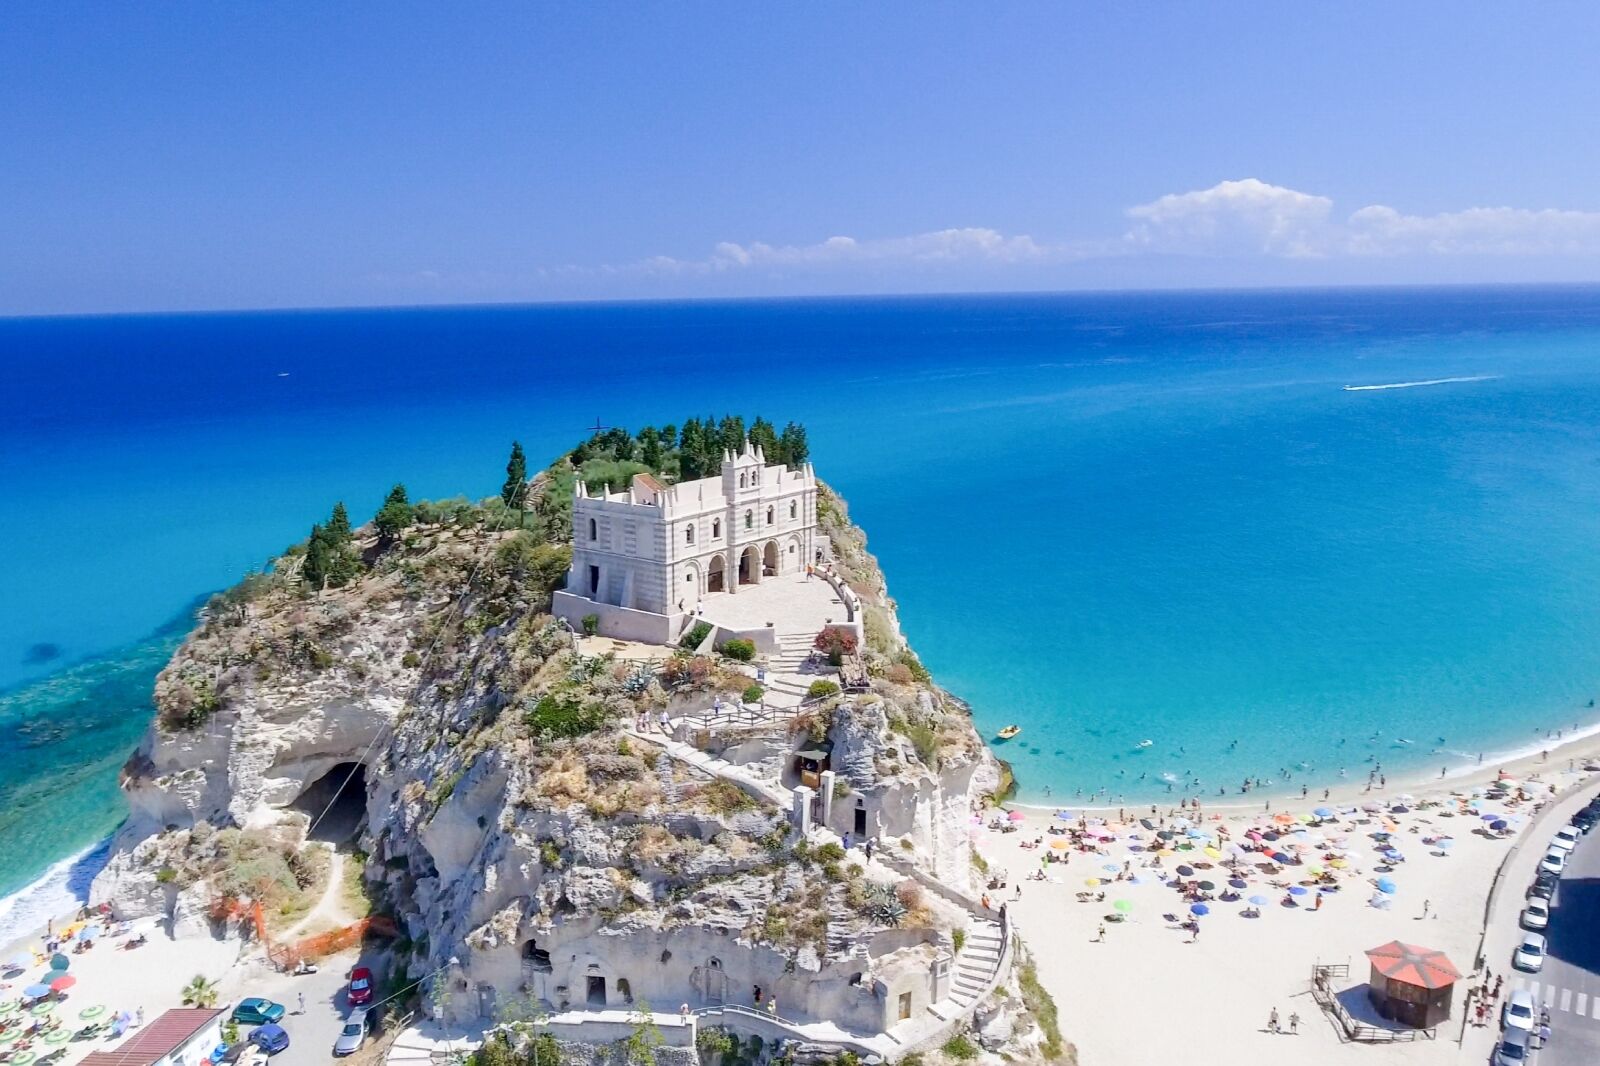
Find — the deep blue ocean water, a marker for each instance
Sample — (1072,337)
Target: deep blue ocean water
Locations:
(1106,518)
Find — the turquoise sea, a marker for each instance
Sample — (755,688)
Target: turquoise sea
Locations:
(1106,518)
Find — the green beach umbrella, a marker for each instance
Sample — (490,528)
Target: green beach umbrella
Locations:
(58,1036)
(92,1012)
(10,1035)
(41,1009)
(1123,905)
(60,962)
(9,1007)
(21,1058)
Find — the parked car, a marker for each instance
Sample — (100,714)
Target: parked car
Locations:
(1536,915)
(1585,819)
(1512,1049)
(1555,860)
(258,1011)
(1529,954)
(1544,885)
(353,1035)
(1520,1011)
(1566,838)
(270,1038)
(360,991)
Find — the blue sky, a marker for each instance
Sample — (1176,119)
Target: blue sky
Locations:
(176,156)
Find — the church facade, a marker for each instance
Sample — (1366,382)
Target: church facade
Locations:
(645,559)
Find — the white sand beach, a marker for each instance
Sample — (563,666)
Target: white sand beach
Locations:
(1149,991)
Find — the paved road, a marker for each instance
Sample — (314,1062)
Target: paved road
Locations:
(311,1034)
(1569,982)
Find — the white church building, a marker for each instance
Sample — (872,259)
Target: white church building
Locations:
(645,559)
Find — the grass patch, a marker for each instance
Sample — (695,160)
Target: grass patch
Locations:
(959,1048)
(1042,1007)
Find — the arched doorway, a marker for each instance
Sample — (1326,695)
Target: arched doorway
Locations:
(749,566)
(714,574)
(689,596)
(770,559)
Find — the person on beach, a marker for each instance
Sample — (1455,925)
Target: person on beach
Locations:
(1272,1021)
(302,1009)
(1100,935)
(1294,1024)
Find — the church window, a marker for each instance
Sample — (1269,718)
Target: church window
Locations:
(716,528)
(769,516)
(688,534)
(741,480)
(749,520)
(594,530)
(794,509)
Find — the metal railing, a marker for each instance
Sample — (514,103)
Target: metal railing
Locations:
(1322,976)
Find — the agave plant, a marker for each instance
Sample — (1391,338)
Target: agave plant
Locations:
(883,905)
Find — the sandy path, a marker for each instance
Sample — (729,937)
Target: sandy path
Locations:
(329,908)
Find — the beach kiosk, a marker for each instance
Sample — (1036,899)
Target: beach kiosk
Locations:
(1411,985)
(811,761)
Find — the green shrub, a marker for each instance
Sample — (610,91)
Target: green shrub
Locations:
(830,852)
(822,689)
(740,649)
(166,875)
(1043,1008)
(591,624)
(697,633)
(754,693)
(563,714)
(411,660)
(961,1049)
(958,939)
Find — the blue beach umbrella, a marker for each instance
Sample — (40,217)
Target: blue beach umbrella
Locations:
(1498,825)
(1297,890)
(1446,843)
(1258,901)
(1198,909)
(1323,812)
(1111,868)
(1387,886)
(1196,834)
(1235,882)
(35,991)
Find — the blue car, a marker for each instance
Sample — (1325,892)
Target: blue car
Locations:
(270,1038)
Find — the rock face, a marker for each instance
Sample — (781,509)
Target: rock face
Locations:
(530,849)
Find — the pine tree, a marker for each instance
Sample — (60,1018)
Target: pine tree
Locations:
(649,448)
(669,437)
(339,525)
(691,451)
(515,490)
(792,445)
(765,437)
(395,514)
(319,558)
(732,431)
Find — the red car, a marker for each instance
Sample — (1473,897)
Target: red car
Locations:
(360,986)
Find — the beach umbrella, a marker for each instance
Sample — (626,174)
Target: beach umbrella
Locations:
(1490,817)
(35,991)
(89,1013)
(1166,834)
(1123,905)
(1147,823)
(1270,835)
(1165,853)
(1338,864)
(62,983)
(1444,843)
(1059,845)
(1213,852)
(1499,825)
(1297,890)
(9,1007)
(1207,886)
(1196,834)
(1015,816)
(1399,808)
(1236,883)
(1258,901)
(1387,886)
(10,1034)
(1199,909)
(1314,870)
(1186,871)
(60,962)
(1092,882)
(22,1058)
(58,1036)
(1279,856)
(1111,868)
(1065,816)
(41,1009)
(1323,812)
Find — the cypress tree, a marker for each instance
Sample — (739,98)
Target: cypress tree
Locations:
(515,489)
(732,430)
(339,525)
(691,452)
(792,444)
(319,558)
(650,448)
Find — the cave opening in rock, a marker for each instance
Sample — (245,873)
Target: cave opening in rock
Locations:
(336,803)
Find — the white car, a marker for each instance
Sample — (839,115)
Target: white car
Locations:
(1529,954)
(1520,1011)
(1555,860)
(1536,915)
(353,1035)
(1566,838)
(1512,1049)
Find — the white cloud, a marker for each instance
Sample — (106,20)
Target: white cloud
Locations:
(948,246)
(1252,216)
(1248,216)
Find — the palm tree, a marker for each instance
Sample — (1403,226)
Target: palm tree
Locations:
(200,992)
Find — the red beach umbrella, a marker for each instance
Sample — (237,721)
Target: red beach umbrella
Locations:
(62,983)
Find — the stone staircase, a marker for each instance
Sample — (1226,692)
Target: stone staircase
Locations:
(841,922)
(975,966)
(786,684)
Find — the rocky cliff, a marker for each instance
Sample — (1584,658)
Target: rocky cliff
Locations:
(428,712)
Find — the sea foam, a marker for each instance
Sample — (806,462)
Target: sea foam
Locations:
(58,890)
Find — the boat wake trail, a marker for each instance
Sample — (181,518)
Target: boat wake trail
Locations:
(1418,384)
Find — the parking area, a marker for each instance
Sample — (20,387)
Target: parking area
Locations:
(317,1004)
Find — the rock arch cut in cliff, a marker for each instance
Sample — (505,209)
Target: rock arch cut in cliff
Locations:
(336,802)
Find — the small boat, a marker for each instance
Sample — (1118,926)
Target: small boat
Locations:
(1144,744)
(1008,732)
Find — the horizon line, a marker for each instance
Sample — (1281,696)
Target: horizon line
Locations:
(1198,290)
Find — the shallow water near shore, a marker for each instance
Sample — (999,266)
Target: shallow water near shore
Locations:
(1106,518)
